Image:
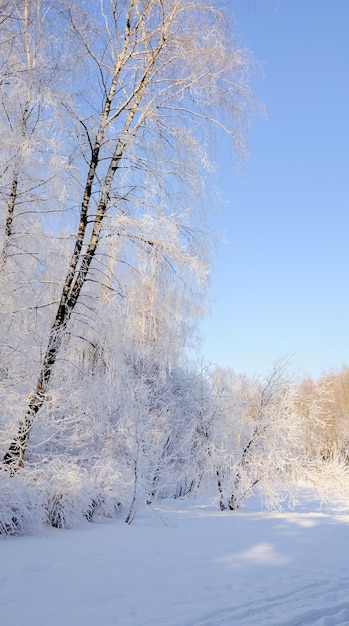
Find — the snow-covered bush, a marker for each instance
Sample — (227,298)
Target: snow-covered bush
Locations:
(108,481)
(21,504)
(71,494)
(75,494)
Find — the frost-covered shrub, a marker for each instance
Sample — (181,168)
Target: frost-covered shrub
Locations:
(21,503)
(107,478)
(70,494)
(74,494)
(61,494)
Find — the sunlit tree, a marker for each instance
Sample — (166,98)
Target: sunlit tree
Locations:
(148,84)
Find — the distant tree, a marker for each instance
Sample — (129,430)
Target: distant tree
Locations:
(324,404)
(315,403)
(341,410)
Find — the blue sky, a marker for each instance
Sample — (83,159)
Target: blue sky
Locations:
(280,282)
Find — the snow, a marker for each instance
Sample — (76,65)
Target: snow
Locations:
(183,564)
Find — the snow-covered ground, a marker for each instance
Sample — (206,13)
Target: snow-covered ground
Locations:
(183,564)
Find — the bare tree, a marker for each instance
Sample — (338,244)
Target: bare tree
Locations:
(156,76)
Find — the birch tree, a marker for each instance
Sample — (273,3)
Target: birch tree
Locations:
(153,79)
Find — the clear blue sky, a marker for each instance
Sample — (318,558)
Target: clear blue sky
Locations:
(280,283)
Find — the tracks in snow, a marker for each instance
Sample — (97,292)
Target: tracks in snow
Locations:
(324,603)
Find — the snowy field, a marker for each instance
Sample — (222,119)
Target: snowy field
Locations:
(183,565)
